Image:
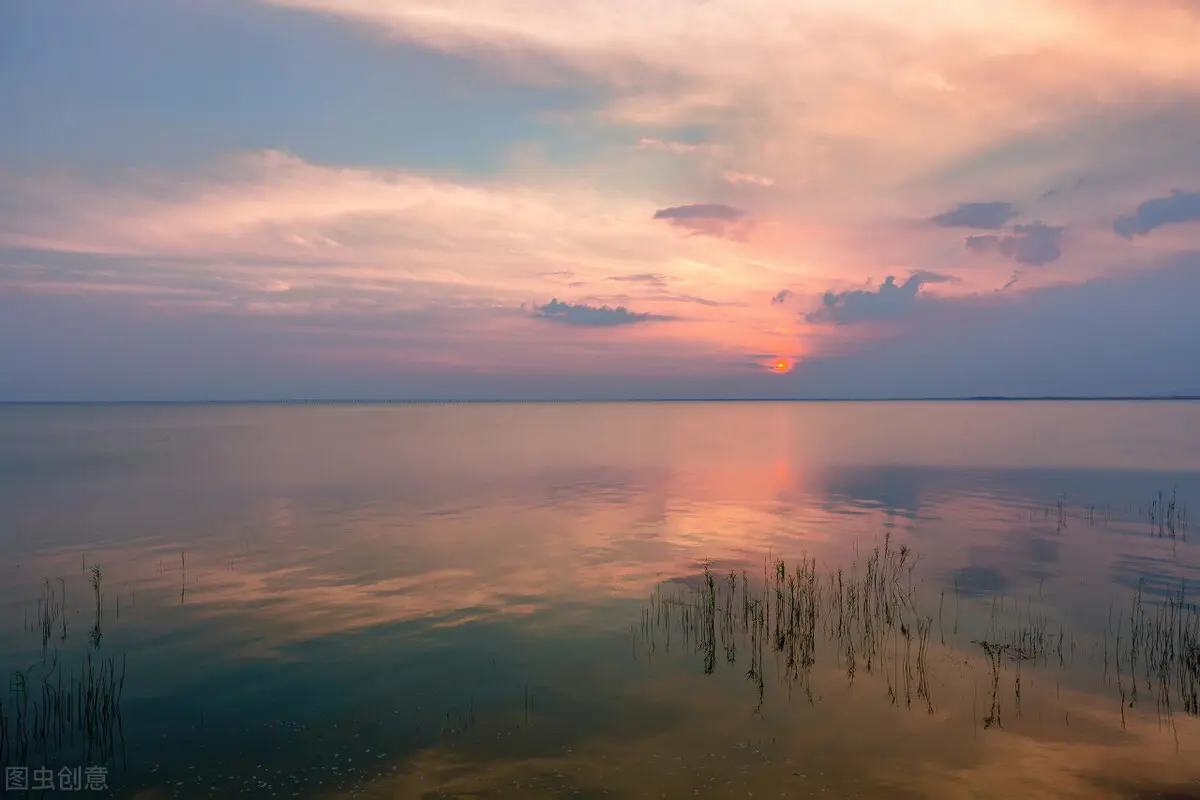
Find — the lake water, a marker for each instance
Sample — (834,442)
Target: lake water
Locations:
(586,600)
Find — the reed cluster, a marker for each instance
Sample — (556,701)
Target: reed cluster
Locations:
(47,709)
(867,618)
(867,613)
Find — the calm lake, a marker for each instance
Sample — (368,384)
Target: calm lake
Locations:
(987,599)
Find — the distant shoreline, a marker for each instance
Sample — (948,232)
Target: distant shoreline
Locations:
(579,401)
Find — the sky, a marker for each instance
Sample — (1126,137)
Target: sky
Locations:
(502,199)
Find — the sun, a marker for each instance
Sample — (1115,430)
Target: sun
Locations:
(781,365)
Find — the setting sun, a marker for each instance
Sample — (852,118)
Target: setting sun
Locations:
(781,366)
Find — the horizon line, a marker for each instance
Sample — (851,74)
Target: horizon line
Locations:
(584,400)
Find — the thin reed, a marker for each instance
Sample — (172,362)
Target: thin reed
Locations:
(47,710)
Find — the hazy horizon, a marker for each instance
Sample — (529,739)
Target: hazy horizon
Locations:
(586,400)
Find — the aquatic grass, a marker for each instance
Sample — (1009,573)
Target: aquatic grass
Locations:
(1168,516)
(1031,640)
(95,579)
(51,611)
(48,712)
(995,653)
(1163,652)
(867,618)
(797,609)
(96,634)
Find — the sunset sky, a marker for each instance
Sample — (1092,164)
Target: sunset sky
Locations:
(256,199)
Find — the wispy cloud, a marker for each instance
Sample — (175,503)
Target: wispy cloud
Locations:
(700,301)
(272,216)
(649,278)
(748,178)
(781,296)
(236,236)
(668,146)
(704,211)
(939,86)
(1177,207)
(594,316)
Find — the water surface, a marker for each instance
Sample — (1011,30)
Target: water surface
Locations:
(586,600)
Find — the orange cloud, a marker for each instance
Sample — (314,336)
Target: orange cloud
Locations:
(268,233)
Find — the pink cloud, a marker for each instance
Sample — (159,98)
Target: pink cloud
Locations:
(857,84)
(270,235)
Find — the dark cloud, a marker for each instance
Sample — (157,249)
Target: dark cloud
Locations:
(711,219)
(650,278)
(782,296)
(746,365)
(1103,338)
(1177,207)
(1034,244)
(863,305)
(593,316)
(985,216)
(1054,191)
(700,211)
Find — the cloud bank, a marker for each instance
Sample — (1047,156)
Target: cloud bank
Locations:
(594,316)
(709,219)
(1034,244)
(1176,208)
(986,216)
(889,301)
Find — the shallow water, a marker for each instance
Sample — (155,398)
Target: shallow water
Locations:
(512,600)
